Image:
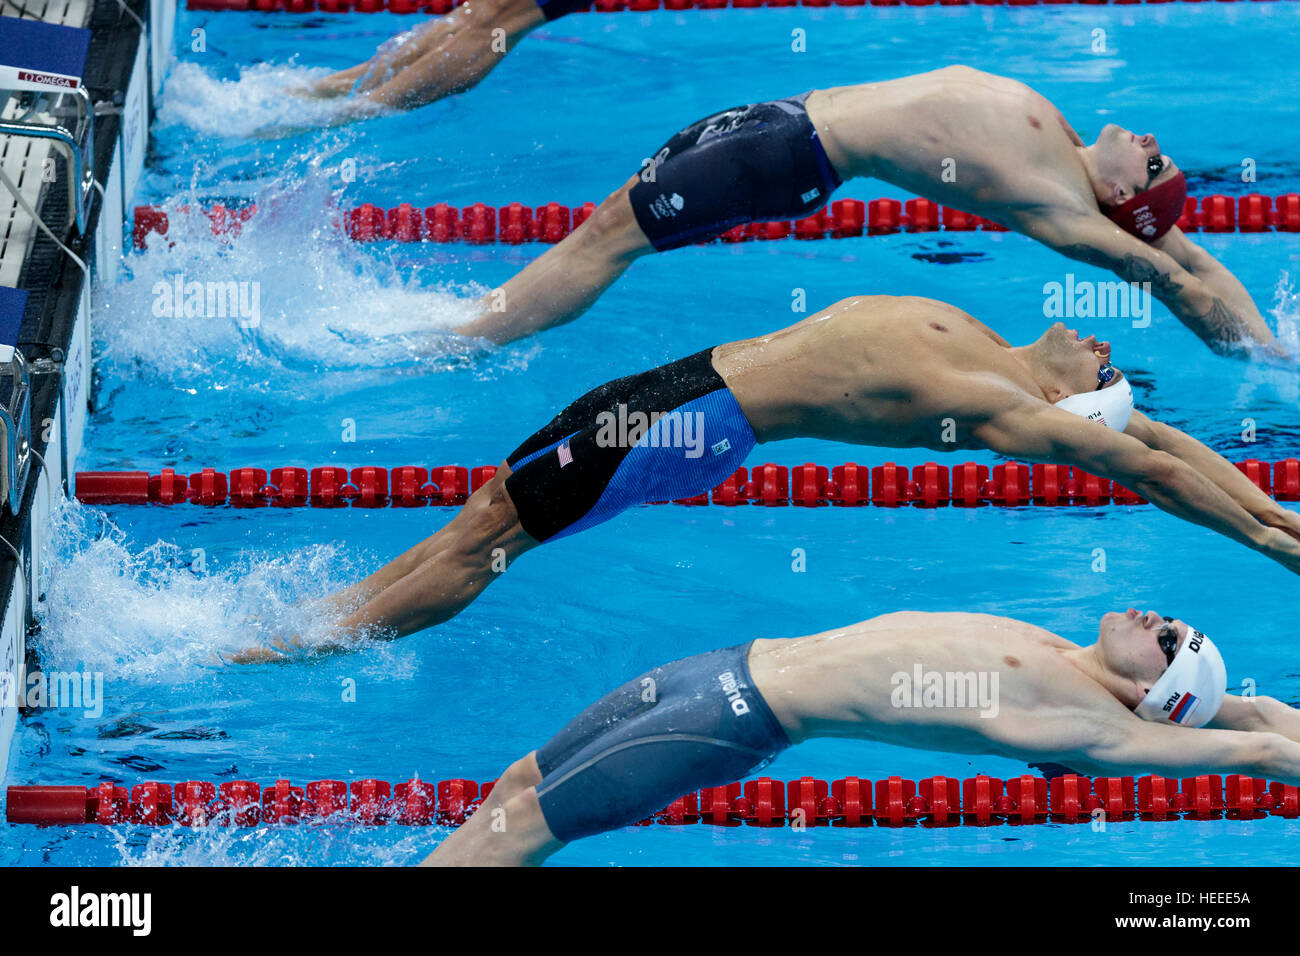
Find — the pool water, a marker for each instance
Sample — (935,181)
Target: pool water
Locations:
(352,344)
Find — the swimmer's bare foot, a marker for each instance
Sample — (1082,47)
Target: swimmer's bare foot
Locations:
(336,84)
(277,650)
(256,655)
(350,112)
(327,89)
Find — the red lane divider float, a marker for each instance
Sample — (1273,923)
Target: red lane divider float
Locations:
(808,801)
(968,485)
(515,223)
(608,6)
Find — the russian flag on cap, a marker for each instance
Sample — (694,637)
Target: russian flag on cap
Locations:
(1184,708)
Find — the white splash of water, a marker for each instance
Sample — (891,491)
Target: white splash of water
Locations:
(1286,314)
(1268,378)
(289,845)
(258,100)
(142,612)
(329,312)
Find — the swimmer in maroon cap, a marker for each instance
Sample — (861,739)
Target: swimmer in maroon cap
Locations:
(1155,210)
(960,137)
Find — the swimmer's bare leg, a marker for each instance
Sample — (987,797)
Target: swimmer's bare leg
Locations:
(429,583)
(568,278)
(450,55)
(437,579)
(508,829)
(345,601)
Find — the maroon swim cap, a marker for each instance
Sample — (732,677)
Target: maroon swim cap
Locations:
(1152,213)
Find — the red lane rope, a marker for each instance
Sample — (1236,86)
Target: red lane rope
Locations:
(516,223)
(764,802)
(615,6)
(931,485)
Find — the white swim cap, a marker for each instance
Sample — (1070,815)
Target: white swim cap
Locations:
(1192,688)
(1112,405)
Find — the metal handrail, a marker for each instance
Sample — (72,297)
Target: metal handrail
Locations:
(82,180)
(16,434)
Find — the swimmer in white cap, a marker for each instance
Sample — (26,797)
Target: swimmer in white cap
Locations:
(874,370)
(958,683)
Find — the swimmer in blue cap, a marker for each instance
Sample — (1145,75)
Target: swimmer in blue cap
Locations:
(963,683)
(874,370)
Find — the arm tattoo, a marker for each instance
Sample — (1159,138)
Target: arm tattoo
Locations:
(1222,324)
(1218,325)
(1129,267)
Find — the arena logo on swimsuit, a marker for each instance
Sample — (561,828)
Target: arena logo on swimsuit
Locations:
(731,687)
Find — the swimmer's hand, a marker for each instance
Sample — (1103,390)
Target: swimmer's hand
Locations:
(1274,353)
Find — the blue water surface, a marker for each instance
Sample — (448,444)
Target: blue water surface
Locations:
(350,364)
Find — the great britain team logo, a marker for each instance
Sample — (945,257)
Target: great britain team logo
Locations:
(667,207)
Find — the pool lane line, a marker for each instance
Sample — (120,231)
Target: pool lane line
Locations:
(890,485)
(440,7)
(516,223)
(764,802)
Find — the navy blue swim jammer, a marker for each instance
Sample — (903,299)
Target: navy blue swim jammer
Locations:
(554,9)
(754,163)
(697,722)
(672,432)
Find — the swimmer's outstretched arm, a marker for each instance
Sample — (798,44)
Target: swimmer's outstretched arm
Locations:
(1218,310)
(1216,278)
(1129,744)
(1028,428)
(450,55)
(1217,469)
(1264,714)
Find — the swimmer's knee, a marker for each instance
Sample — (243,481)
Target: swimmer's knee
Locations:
(491,506)
(613,228)
(492,12)
(527,834)
(489,521)
(515,779)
